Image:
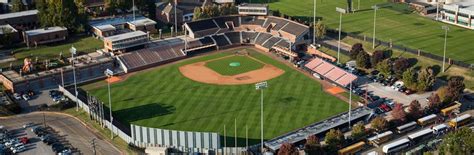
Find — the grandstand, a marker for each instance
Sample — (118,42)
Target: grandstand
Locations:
(331,71)
(234,37)
(150,57)
(221,41)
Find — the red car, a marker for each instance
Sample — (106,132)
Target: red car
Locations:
(24,140)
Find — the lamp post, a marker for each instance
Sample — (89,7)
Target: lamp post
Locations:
(446,29)
(73,52)
(109,73)
(341,11)
(314,23)
(375,7)
(350,104)
(261,86)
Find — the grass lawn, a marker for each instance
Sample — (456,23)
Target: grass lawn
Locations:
(43,52)
(223,66)
(164,98)
(394,23)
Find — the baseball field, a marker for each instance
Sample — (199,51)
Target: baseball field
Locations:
(163,97)
(395,22)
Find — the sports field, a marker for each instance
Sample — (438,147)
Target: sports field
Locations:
(394,22)
(164,98)
(234,65)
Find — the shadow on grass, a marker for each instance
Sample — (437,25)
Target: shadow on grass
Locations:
(241,141)
(143,112)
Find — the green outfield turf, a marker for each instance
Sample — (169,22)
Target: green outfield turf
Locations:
(394,22)
(164,98)
(234,65)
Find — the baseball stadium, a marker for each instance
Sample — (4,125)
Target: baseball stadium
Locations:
(205,82)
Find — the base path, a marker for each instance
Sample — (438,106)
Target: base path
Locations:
(200,73)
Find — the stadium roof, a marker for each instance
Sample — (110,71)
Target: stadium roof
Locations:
(317,128)
(143,22)
(18,14)
(125,36)
(331,71)
(253,5)
(45,30)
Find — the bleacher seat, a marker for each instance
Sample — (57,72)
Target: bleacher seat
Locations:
(234,37)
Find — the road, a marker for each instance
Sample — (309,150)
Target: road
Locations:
(78,135)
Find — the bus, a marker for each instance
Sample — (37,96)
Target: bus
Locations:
(427,120)
(446,111)
(460,120)
(421,135)
(380,138)
(406,127)
(439,129)
(396,146)
(352,149)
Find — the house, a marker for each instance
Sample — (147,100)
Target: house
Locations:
(44,35)
(108,26)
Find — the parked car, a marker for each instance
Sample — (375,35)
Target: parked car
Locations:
(409,92)
(26,97)
(24,140)
(17,96)
(27,125)
(19,149)
(57,147)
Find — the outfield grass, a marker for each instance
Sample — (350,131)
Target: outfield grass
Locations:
(394,22)
(52,51)
(222,66)
(164,98)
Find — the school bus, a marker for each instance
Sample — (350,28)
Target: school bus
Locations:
(427,120)
(354,148)
(459,121)
(446,111)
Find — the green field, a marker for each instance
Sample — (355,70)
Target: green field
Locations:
(164,98)
(223,67)
(394,22)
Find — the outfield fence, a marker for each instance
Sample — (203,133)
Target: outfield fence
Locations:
(402,48)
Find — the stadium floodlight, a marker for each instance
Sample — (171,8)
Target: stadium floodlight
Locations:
(446,29)
(314,23)
(375,7)
(341,11)
(73,51)
(109,73)
(261,86)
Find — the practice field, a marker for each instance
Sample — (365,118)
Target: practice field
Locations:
(164,98)
(395,22)
(234,65)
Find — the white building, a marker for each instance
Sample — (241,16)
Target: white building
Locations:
(253,9)
(460,13)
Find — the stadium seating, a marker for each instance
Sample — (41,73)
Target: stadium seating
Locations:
(262,38)
(249,37)
(151,56)
(251,20)
(223,21)
(221,40)
(234,37)
(271,42)
(277,23)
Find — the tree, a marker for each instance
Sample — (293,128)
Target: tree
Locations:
(426,79)
(454,89)
(287,149)
(17,6)
(459,142)
(377,56)
(384,68)
(358,131)
(312,145)
(6,38)
(409,79)
(379,123)
(356,48)
(197,13)
(434,103)
(62,13)
(363,60)
(320,30)
(414,110)
(334,139)
(400,65)
(399,113)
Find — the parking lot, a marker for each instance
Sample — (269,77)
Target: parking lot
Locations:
(67,130)
(396,96)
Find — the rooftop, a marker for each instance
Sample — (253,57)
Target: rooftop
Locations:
(8,28)
(317,128)
(45,30)
(107,27)
(119,20)
(253,5)
(125,36)
(18,14)
(143,22)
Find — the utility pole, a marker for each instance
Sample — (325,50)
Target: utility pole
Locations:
(446,28)
(375,7)
(133,9)
(175,18)
(93,146)
(341,11)
(261,86)
(44,119)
